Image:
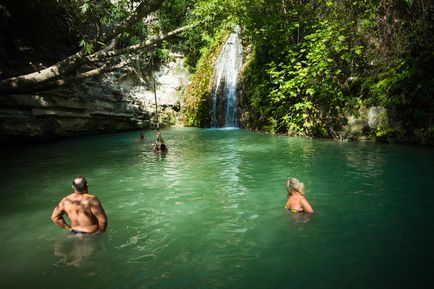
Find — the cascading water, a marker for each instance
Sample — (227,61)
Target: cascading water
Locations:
(224,93)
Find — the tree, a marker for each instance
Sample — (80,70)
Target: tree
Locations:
(96,55)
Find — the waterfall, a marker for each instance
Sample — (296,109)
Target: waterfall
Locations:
(224,92)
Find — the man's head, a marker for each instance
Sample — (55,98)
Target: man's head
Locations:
(142,135)
(79,184)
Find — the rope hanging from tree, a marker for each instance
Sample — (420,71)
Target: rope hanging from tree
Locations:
(155,92)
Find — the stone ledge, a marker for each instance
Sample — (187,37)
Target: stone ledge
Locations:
(56,112)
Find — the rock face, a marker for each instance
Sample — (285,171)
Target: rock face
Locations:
(62,114)
(111,103)
(170,83)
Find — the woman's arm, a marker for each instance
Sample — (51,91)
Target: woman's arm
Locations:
(306,206)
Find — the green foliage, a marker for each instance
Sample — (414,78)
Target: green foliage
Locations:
(174,13)
(42,27)
(406,88)
(4,13)
(213,17)
(196,101)
(301,86)
(309,64)
(387,135)
(88,18)
(86,46)
(313,64)
(425,135)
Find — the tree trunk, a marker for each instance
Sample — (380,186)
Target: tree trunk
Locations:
(102,55)
(61,68)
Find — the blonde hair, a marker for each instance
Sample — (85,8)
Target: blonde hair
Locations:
(293,184)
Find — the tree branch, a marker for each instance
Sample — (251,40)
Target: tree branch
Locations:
(144,8)
(57,73)
(100,55)
(90,73)
(24,82)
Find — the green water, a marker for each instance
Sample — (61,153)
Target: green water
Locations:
(210,213)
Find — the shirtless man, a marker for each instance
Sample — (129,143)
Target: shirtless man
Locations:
(83,210)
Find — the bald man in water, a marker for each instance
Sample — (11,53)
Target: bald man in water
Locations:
(83,210)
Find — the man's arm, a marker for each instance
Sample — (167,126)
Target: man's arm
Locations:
(57,216)
(99,213)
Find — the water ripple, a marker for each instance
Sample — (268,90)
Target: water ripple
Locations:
(210,214)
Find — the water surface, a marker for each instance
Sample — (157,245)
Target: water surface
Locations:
(210,214)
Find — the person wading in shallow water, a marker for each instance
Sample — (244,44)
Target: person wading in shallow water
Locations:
(83,210)
(296,201)
(142,135)
(159,145)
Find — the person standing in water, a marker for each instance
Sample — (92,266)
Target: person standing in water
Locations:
(142,135)
(84,210)
(159,145)
(296,201)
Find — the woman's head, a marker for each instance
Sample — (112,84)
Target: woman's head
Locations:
(163,147)
(293,184)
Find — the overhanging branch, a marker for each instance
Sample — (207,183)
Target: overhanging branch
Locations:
(100,55)
(144,8)
(24,82)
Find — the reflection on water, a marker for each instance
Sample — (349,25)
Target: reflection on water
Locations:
(210,213)
(300,218)
(78,251)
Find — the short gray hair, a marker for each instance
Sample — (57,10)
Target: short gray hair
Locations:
(80,184)
(293,184)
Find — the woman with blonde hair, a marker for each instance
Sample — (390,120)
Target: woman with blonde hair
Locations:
(296,201)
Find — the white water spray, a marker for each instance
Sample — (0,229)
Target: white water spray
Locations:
(224,93)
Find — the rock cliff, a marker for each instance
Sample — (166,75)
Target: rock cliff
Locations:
(111,103)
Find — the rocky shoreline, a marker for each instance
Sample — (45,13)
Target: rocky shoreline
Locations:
(112,103)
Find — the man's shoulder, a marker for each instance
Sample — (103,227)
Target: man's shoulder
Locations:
(90,196)
(92,199)
(68,197)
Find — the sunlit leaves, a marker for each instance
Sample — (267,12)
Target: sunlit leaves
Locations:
(84,7)
(306,64)
(86,46)
(311,60)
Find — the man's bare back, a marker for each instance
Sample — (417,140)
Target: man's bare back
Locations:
(83,210)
